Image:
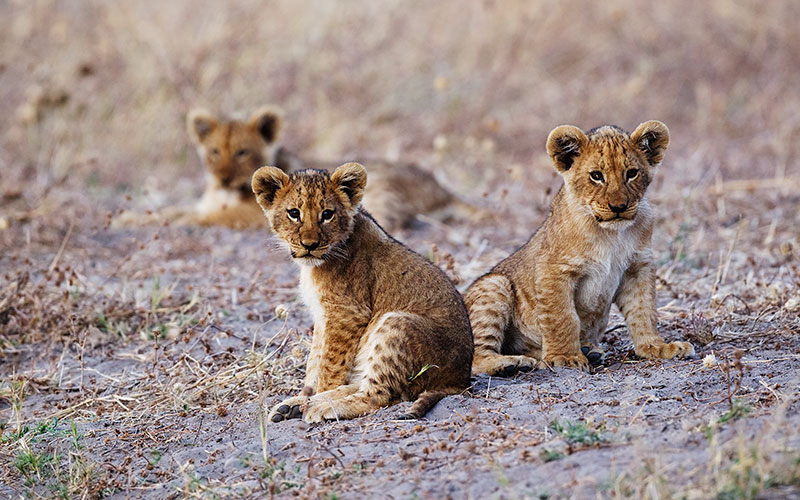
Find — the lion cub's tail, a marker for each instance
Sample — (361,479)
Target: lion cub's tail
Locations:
(426,401)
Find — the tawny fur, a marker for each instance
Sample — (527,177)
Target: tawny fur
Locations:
(553,295)
(232,149)
(388,324)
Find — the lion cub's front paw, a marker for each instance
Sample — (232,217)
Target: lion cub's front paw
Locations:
(503,366)
(594,354)
(319,411)
(577,361)
(665,350)
(288,409)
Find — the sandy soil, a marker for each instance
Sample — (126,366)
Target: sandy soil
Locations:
(180,415)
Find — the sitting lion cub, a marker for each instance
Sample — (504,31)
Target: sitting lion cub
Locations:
(550,299)
(388,325)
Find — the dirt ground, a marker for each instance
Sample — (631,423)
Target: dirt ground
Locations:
(134,362)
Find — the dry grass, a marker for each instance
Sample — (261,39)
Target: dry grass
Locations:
(151,344)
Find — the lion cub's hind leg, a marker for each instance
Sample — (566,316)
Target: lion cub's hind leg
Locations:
(379,376)
(386,366)
(489,303)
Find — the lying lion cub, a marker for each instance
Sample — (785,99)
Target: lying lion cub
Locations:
(550,299)
(231,149)
(388,325)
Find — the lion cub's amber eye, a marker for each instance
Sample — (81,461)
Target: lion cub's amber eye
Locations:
(326,215)
(242,153)
(214,152)
(294,214)
(596,175)
(631,174)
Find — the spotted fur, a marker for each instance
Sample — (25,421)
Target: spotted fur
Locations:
(552,297)
(388,325)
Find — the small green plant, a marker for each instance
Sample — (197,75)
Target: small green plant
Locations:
(743,480)
(156,296)
(580,433)
(550,455)
(34,465)
(102,322)
(17,395)
(34,434)
(155,457)
(739,408)
(275,475)
(107,326)
(76,438)
(51,460)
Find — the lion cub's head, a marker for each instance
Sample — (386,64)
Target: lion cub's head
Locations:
(607,171)
(233,149)
(312,211)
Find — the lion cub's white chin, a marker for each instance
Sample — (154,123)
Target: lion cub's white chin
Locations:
(616,224)
(308,261)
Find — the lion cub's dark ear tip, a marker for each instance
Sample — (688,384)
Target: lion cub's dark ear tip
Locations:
(652,138)
(564,144)
(268,122)
(656,127)
(266,182)
(351,178)
(352,168)
(199,123)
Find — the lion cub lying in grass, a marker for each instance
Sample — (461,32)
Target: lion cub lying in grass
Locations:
(388,325)
(232,149)
(550,299)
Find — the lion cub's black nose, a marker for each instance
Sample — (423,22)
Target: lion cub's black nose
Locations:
(310,246)
(618,209)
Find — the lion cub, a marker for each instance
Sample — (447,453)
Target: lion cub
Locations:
(550,299)
(231,149)
(388,325)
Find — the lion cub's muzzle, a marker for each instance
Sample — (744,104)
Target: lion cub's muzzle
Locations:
(612,214)
(310,251)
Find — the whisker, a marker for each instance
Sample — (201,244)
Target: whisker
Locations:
(336,251)
(275,244)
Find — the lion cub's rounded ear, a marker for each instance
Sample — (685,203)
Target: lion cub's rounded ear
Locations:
(267,121)
(351,179)
(200,123)
(652,138)
(266,183)
(564,144)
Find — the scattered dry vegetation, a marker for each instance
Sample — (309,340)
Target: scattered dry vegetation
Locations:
(133,362)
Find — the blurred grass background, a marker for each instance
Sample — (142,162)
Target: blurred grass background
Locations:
(93,94)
